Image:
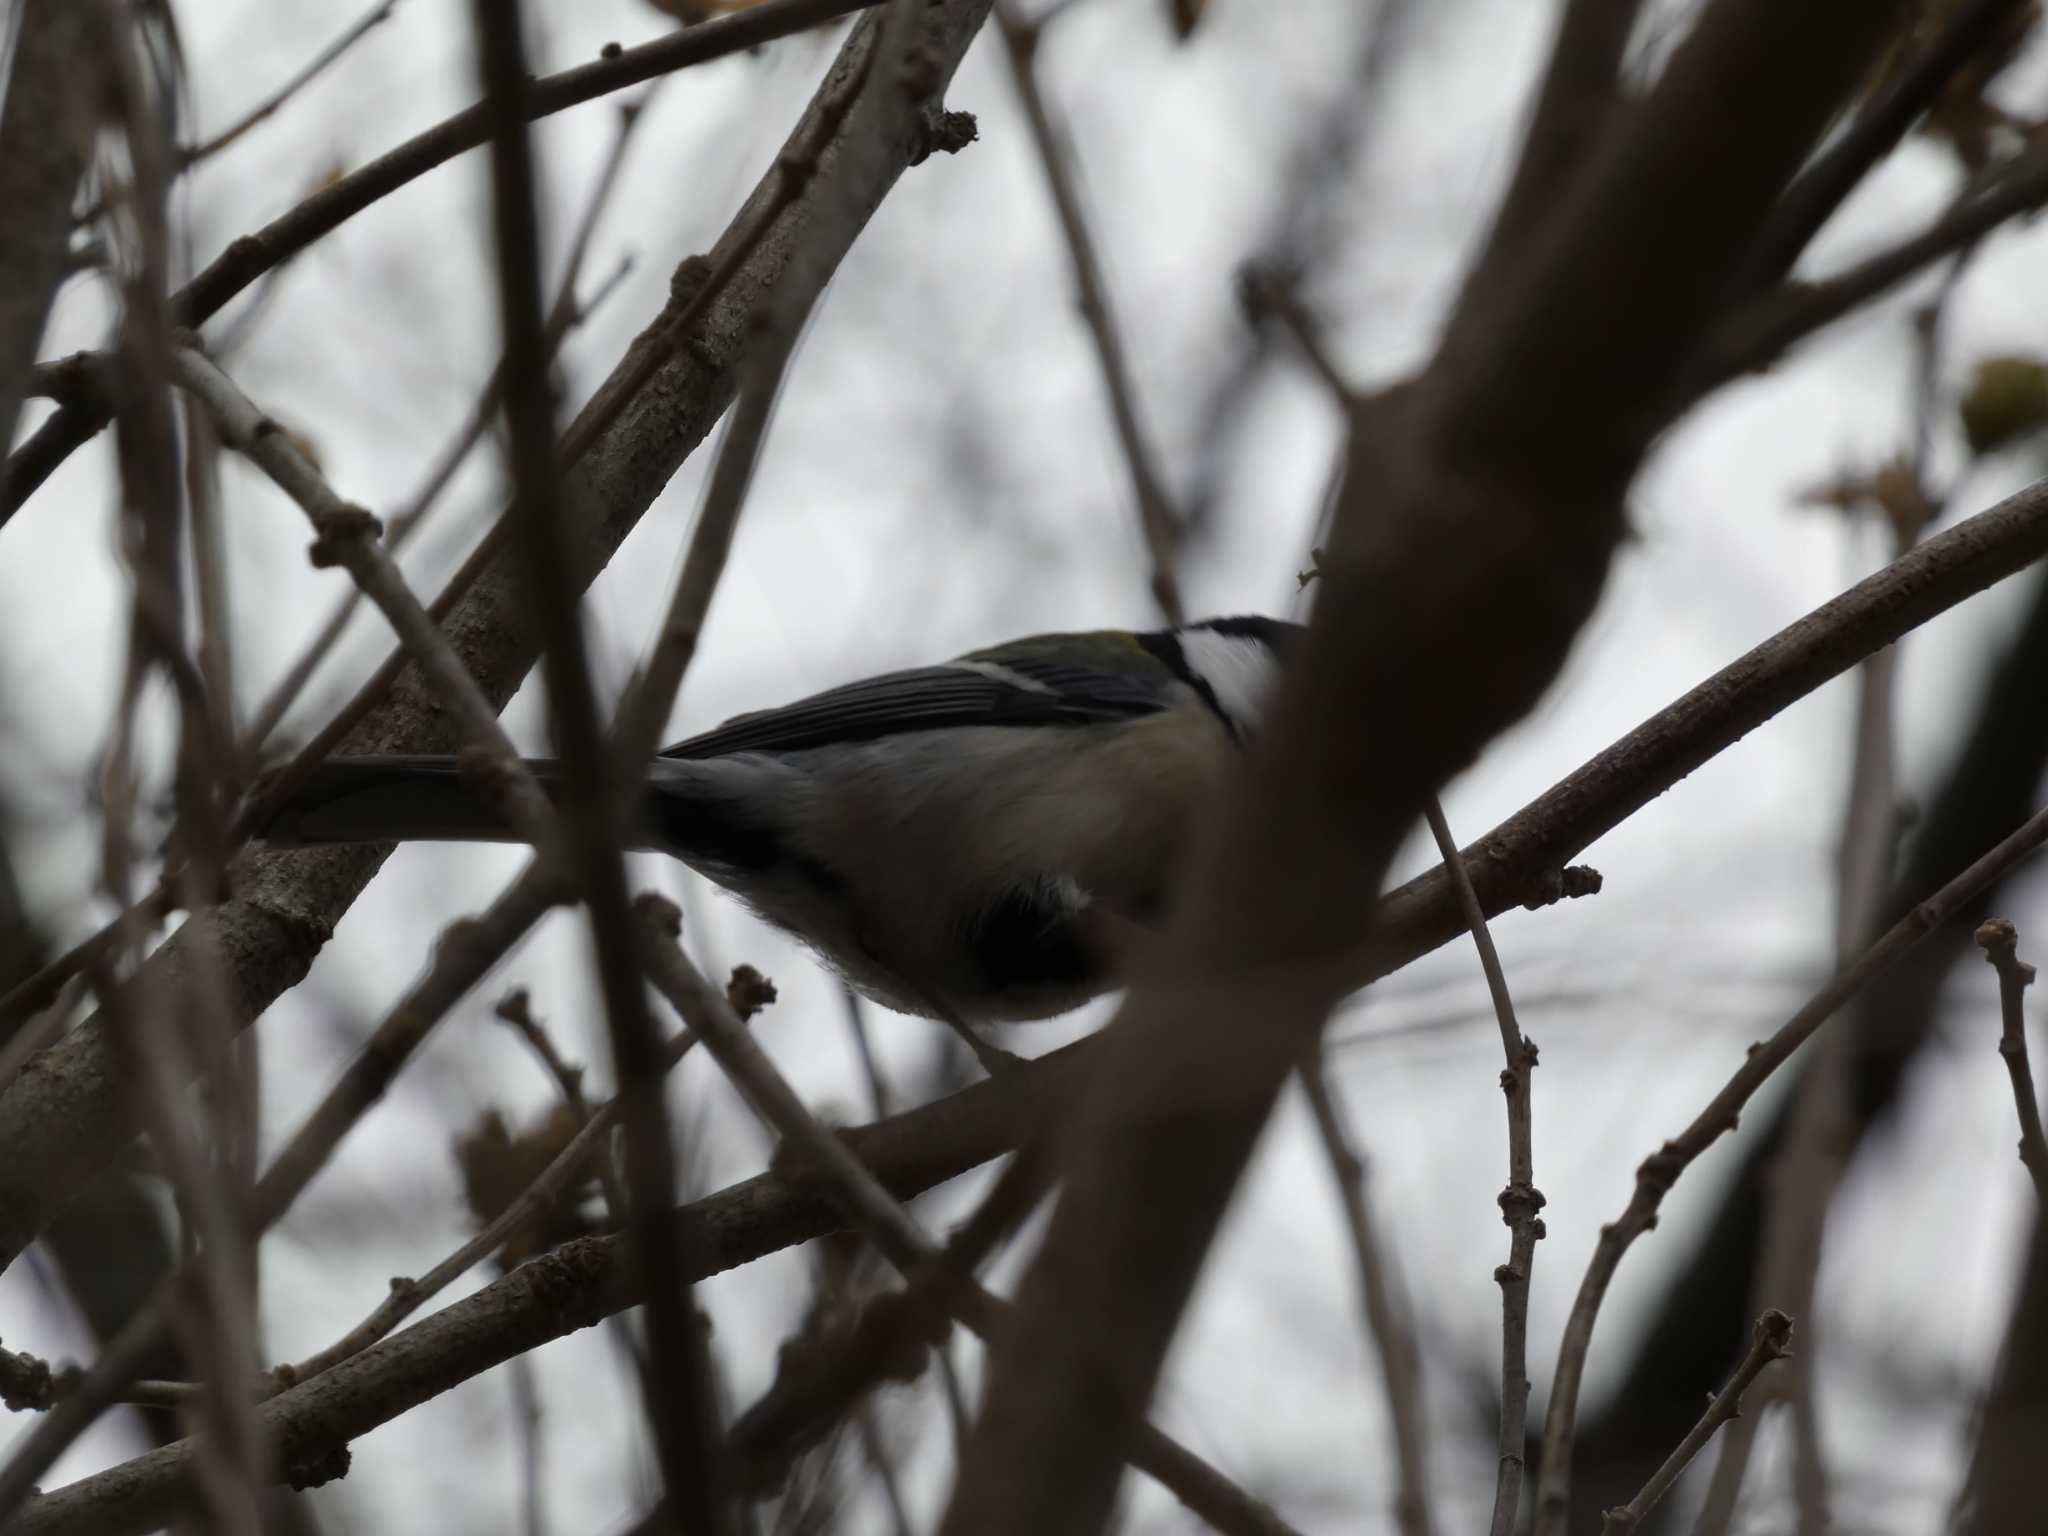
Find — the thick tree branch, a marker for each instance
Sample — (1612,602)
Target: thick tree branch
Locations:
(251,256)
(63,1118)
(939,1140)
(573,1287)
(46,131)
(1514,451)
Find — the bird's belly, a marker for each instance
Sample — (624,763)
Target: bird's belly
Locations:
(898,852)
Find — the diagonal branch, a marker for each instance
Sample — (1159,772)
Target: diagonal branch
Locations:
(63,1118)
(935,1142)
(1156,516)
(681,1395)
(1662,1168)
(251,256)
(1412,663)
(1823,186)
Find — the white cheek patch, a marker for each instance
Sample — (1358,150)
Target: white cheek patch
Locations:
(1240,673)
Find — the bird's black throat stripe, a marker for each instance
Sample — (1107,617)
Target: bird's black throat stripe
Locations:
(1166,649)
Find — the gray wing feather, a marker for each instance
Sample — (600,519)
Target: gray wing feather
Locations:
(934,698)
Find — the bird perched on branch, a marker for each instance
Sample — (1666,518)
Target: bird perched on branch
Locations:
(975,841)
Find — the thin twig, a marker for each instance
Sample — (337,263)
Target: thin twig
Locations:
(1157,519)
(875,1212)
(467,949)
(1662,1168)
(347,535)
(318,65)
(1757,331)
(2000,942)
(1820,189)
(1520,1201)
(516,1009)
(408,1296)
(682,1399)
(1271,295)
(1388,1327)
(251,256)
(1771,1341)
(565,315)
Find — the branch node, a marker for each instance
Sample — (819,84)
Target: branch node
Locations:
(334,527)
(1566,884)
(653,907)
(325,1468)
(943,133)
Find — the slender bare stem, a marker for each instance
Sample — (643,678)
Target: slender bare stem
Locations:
(876,1213)
(1157,519)
(346,535)
(1388,1326)
(315,67)
(408,1295)
(1520,1201)
(1663,1167)
(1771,1341)
(2000,942)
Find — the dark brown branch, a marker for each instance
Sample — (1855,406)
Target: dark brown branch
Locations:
(1520,1200)
(2000,942)
(251,256)
(1661,1170)
(1771,1341)
(63,1118)
(1389,1330)
(1413,662)
(1577,102)
(47,121)
(1825,184)
(1157,519)
(682,1398)
(1759,330)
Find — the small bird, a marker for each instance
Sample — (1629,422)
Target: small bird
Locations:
(978,841)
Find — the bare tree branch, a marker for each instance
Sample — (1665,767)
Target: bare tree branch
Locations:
(1157,519)
(1771,1342)
(47,121)
(1520,1200)
(2000,942)
(1755,332)
(1663,1167)
(1823,186)
(61,1119)
(1389,1327)
(251,256)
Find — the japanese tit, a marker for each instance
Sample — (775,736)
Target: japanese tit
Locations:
(975,841)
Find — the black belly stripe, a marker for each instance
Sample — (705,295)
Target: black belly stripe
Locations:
(1029,938)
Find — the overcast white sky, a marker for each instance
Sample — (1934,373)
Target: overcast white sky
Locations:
(941,475)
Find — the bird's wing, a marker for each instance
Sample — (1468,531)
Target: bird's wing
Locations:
(977,690)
